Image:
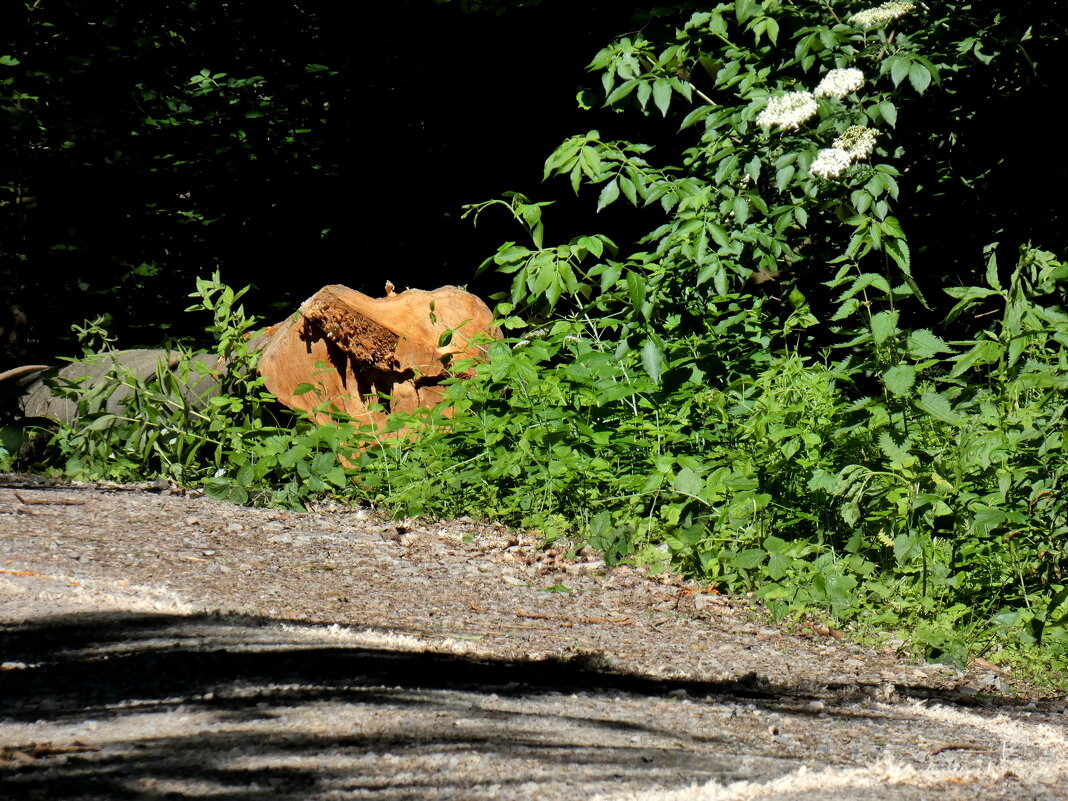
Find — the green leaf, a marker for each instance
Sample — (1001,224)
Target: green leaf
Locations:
(888,111)
(719,235)
(741,210)
(919,77)
(923,344)
(102,422)
(938,407)
(861,200)
(653,359)
(753,168)
(645,91)
(620,92)
(783,176)
(662,94)
(748,559)
(636,289)
(899,69)
(592,244)
(772,30)
(688,482)
(899,380)
(983,352)
(609,193)
(883,326)
(897,454)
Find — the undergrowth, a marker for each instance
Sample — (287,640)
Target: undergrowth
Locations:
(872,440)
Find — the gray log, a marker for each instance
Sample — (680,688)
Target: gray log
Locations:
(39,400)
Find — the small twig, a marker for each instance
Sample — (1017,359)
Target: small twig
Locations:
(57,501)
(623,621)
(981,749)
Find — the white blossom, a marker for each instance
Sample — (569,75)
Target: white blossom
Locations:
(788,111)
(831,162)
(880,15)
(858,141)
(839,83)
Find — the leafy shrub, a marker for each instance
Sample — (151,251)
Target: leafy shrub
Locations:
(775,387)
(866,439)
(233,441)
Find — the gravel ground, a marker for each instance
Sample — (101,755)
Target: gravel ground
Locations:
(156,645)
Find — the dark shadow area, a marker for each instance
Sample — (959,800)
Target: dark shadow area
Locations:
(99,660)
(332,146)
(239,679)
(96,663)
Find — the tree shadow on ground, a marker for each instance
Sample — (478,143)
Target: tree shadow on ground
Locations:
(159,700)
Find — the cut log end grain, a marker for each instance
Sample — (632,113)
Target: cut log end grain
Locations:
(367,357)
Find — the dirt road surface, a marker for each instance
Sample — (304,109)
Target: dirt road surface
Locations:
(161,646)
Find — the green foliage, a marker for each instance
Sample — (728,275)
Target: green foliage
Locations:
(228,437)
(812,444)
(770,379)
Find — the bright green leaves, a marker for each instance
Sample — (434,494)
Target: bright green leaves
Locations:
(641,72)
(653,359)
(543,275)
(588,160)
(883,326)
(923,344)
(661,94)
(609,193)
(771,470)
(764,26)
(939,407)
(917,69)
(899,380)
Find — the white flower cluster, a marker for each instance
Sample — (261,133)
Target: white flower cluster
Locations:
(831,162)
(788,111)
(858,141)
(855,144)
(839,83)
(880,15)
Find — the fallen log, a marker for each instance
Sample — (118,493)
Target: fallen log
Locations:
(39,399)
(342,352)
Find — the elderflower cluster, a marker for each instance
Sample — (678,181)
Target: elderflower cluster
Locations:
(858,141)
(880,15)
(839,83)
(787,111)
(831,162)
(855,144)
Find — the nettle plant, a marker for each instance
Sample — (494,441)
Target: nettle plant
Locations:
(227,434)
(740,385)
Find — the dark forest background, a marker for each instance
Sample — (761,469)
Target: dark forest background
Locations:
(291,144)
(296,143)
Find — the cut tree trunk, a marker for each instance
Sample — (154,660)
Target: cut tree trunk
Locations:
(363,357)
(368,357)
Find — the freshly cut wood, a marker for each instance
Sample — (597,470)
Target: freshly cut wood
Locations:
(357,351)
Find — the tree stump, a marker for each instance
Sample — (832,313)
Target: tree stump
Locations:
(358,352)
